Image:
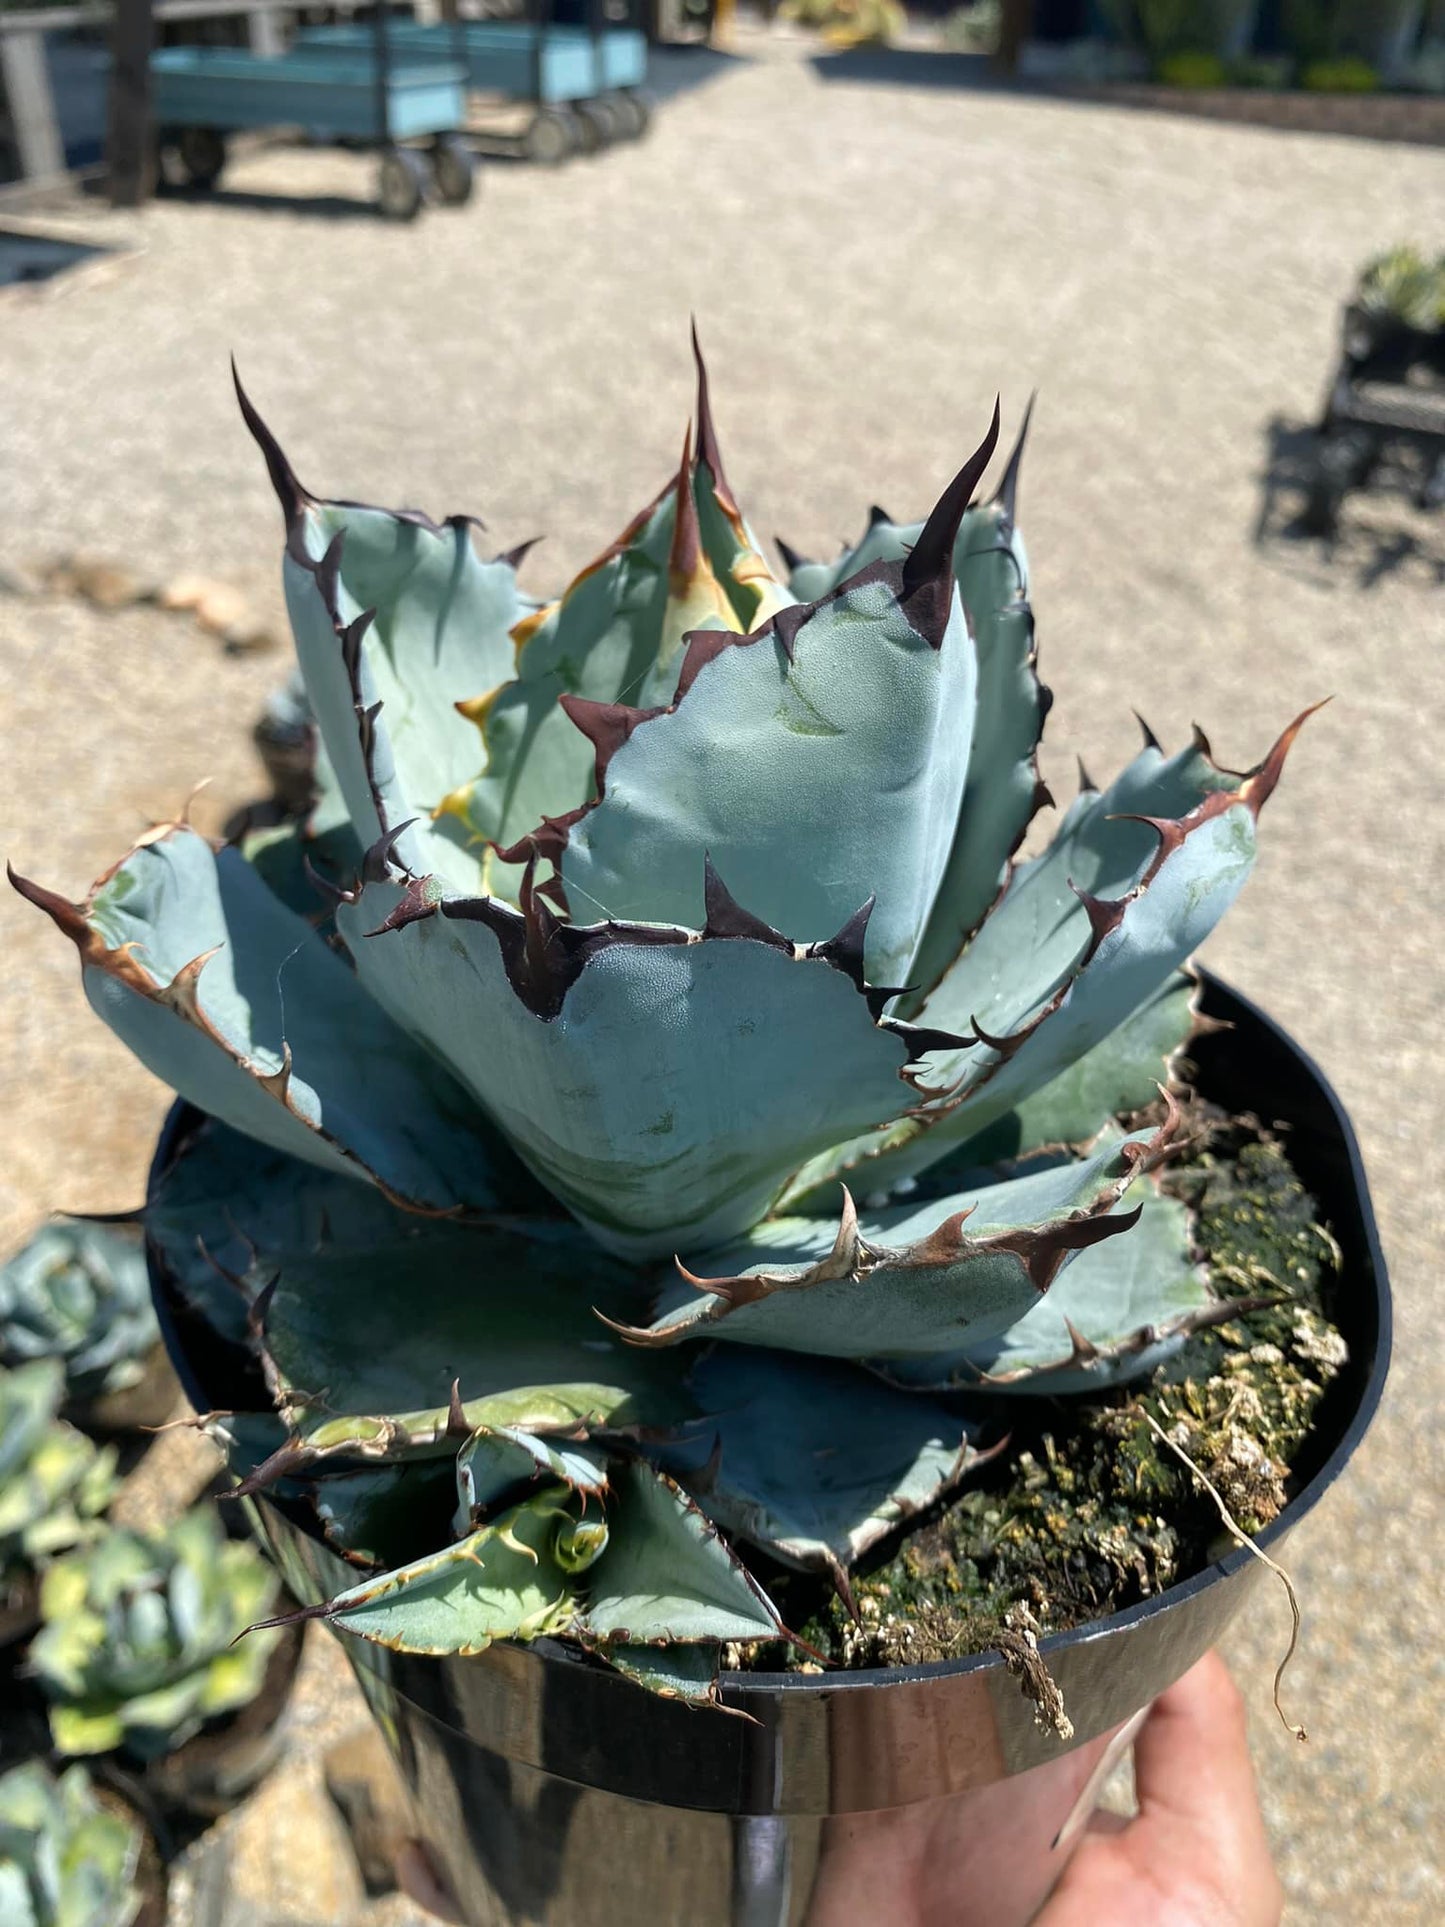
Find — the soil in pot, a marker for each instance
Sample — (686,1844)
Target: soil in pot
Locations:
(1085,1511)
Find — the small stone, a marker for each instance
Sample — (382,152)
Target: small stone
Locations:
(185,592)
(248,637)
(109,585)
(363,1781)
(221,609)
(287,1857)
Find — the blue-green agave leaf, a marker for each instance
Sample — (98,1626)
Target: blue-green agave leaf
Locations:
(908,1280)
(1003,789)
(392,608)
(1124,1073)
(657,1574)
(664,1085)
(300,865)
(1114,1314)
(687,562)
(495,1461)
(500,1582)
(667,1576)
(671,1672)
(236,1003)
(1092,958)
(812,1460)
(410,1349)
(228,1214)
(852,716)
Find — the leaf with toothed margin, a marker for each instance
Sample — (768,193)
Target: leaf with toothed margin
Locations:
(1103,918)
(384,1515)
(500,1582)
(395,609)
(1114,1315)
(908,1280)
(236,1003)
(671,1672)
(1122,1074)
(819,761)
(687,562)
(228,1214)
(736,555)
(1003,790)
(602,637)
(663,1086)
(410,1348)
(297,865)
(666,1576)
(495,1461)
(811,1460)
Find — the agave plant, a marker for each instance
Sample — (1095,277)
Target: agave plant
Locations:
(618,1105)
(137,1646)
(54,1484)
(65,1861)
(79,1292)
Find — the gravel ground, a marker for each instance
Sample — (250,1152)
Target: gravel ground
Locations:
(868,262)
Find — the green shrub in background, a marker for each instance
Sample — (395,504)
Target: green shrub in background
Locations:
(1165,30)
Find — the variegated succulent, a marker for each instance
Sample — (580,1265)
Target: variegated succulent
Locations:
(139,1642)
(54,1483)
(629,929)
(65,1860)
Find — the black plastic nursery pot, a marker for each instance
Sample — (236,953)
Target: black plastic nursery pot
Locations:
(550,1790)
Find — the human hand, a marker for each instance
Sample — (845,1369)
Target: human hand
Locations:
(1195,1855)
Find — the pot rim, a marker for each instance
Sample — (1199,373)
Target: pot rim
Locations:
(740,1687)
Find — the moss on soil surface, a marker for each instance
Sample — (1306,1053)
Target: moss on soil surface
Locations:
(1086,1512)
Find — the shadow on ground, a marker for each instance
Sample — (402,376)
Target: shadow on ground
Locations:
(1381,533)
(913,67)
(680,70)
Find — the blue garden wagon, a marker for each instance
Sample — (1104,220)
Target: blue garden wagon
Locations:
(371,92)
(585,82)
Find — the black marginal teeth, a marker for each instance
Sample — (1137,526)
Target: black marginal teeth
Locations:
(378,863)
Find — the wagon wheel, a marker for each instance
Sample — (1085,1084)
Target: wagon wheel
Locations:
(401,184)
(628,119)
(453,171)
(202,154)
(552,136)
(638,104)
(598,125)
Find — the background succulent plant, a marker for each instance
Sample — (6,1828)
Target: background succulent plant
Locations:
(1404,285)
(79,1292)
(624,929)
(65,1861)
(54,1483)
(137,1645)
